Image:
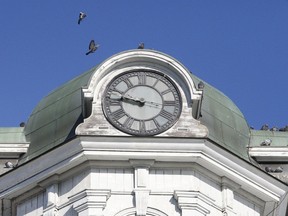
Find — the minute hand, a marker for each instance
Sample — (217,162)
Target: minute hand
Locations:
(154,103)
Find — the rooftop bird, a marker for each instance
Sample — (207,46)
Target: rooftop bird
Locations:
(201,85)
(81,17)
(284,128)
(141,46)
(8,164)
(266,142)
(278,169)
(92,47)
(274,129)
(265,127)
(268,169)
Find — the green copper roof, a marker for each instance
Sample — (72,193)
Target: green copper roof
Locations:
(278,138)
(55,118)
(12,135)
(227,125)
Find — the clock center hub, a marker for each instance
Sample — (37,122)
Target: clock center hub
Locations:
(147,102)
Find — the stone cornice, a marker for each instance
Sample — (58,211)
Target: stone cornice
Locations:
(103,149)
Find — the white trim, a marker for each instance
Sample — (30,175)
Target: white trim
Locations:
(9,150)
(79,150)
(271,154)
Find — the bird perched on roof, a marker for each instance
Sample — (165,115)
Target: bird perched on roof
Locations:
(265,127)
(284,128)
(274,129)
(201,85)
(266,142)
(8,164)
(81,17)
(268,169)
(278,169)
(92,47)
(141,46)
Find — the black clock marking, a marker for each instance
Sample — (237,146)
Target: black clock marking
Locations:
(142,103)
(118,114)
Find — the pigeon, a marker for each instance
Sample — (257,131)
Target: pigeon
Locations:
(268,169)
(266,142)
(81,17)
(265,127)
(141,46)
(8,164)
(92,47)
(274,129)
(284,128)
(201,85)
(278,169)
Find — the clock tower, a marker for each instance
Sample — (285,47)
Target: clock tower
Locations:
(143,93)
(139,135)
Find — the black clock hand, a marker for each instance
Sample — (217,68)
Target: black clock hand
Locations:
(139,102)
(154,104)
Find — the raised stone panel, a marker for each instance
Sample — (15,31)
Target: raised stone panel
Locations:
(32,206)
(164,203)
(114,179)
(210,188)
(167,180)
(246,207)
(117,203)
(72,185)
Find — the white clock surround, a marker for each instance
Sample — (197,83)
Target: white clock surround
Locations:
(147,60)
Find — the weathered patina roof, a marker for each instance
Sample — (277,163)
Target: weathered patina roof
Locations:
(226,123)
(278,138)
(12,135)
(55,118)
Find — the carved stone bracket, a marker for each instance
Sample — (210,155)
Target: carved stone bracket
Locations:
(141,201)
(90,202)
(192,203)
(141,183)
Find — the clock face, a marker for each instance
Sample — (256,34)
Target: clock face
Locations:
(142,103)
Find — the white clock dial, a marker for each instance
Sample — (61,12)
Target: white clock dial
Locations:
(142,103)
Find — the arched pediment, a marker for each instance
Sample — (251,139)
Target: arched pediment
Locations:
(138,61)
(132,212)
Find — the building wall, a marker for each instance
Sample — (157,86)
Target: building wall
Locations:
(171,191)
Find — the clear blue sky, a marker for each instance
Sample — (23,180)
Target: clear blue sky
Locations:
(238,46)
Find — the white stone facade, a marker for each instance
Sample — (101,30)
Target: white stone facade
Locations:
(93,177)
(103,171)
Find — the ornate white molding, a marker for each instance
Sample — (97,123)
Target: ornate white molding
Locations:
(97,124)
(51,200)
(132,212)
(272,154)
(107,150)
(90,202)
(192,203)
(141,201)
(228,188)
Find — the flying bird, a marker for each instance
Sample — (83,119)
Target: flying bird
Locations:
(92,47)
(81,17)
(141,46)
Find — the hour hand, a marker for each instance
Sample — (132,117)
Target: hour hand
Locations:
(138,101)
